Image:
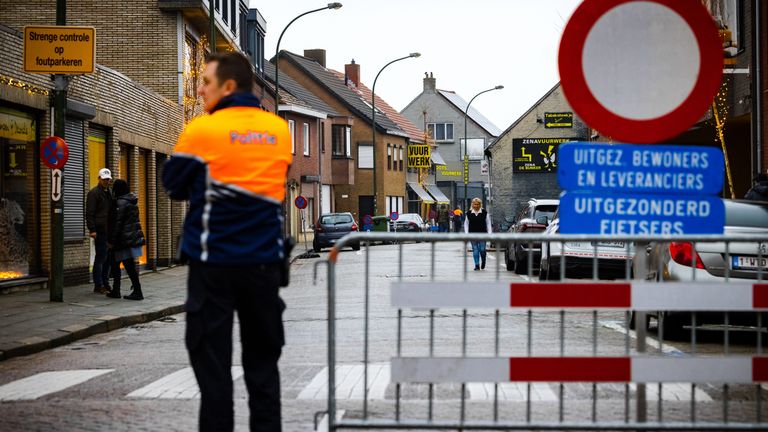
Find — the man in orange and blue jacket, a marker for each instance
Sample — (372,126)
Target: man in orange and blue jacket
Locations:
(231,165)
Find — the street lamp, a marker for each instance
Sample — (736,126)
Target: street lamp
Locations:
(466,156)
(334,5)
(373,122)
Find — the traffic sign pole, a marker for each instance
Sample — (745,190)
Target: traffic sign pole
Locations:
(56,271)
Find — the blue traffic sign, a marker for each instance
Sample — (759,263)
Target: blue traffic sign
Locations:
(628,168)
(394,216)
(300,202)
(642,214)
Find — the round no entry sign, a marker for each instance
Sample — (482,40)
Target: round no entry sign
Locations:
(640,70)
(300,202)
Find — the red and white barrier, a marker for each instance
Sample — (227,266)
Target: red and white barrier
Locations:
(692,296)
(732,370)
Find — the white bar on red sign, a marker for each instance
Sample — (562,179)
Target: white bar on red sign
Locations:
(449,369)
(730,370)
(449,294)
(689,296)
(699,296)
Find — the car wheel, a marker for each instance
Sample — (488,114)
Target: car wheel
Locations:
(521,267)
(673,325)
(553,272)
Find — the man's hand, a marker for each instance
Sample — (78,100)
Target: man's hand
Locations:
(92,235)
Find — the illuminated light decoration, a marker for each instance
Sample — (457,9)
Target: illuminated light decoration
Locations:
(30,88)
(10,275)
(194,62)
(720,113)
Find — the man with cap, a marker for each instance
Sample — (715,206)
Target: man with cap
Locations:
(98,205)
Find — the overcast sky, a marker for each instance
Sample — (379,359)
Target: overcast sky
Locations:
(469,45)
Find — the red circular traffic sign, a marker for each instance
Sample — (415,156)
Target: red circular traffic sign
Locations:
(640,70)
(300,202)
(394,215)
(54,152)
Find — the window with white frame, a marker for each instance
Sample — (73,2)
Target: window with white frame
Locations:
(305,135)
(292,129)
(364,156)
(440,131)
(394,203)
(341,141)
(401,157)
(389,156)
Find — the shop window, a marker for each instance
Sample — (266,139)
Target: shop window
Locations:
(19,227)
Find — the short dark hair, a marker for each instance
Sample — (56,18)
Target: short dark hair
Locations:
(235,66)
(120,188)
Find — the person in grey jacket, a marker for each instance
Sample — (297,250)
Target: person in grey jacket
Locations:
(98,205)
(126,239)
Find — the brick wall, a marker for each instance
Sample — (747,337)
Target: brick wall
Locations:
(134,37)
(132,113)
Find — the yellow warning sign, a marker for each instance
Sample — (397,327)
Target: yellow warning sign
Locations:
(59,49)
(419,156)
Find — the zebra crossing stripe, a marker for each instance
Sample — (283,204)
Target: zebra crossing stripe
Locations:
(349,383)
(178,385)
(45,383)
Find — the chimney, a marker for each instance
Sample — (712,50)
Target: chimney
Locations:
(317,55)
(429,83)
(352,73)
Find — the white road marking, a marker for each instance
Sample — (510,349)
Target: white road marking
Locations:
(680,392)
(516,392)
(181,384)
(349,383)
(619,327)
(322,426)
(45,383)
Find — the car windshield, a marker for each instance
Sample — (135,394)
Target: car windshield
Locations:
(544,210)
(335,219)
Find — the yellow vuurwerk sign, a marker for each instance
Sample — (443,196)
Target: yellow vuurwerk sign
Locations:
(59,49)
(419,156)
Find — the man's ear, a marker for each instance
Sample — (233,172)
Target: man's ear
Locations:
(230,86)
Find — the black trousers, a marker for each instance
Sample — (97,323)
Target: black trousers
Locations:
(130,269)
(215,292)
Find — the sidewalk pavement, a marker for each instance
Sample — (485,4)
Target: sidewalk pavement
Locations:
(30,323)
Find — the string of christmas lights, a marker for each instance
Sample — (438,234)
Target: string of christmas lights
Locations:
(30,88)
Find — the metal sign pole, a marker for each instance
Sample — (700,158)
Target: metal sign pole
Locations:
(61,82)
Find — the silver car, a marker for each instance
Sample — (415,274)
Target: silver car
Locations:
(708,262)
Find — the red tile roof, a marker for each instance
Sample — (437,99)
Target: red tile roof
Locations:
(413,131)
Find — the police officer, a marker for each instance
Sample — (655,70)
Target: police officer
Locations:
(231,165)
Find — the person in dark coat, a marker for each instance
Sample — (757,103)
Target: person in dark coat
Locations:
(126,239)
(98,205)
(759,192)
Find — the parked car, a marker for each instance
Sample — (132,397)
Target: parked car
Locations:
(408,222)
(678,261)
(528,220)
(579,257)
(330,227)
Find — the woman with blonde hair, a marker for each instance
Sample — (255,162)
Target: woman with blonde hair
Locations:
(477,220)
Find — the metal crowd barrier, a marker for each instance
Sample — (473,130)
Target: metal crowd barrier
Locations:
(430,304)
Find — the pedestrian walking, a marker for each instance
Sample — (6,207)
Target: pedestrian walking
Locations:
(231,165)
(759,190)
(478,221)
(125,239)
(98,204)
(458,220)
(443,219)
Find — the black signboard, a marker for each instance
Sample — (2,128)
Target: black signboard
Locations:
(557,120)
(536,155)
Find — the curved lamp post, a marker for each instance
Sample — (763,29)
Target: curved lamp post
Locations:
(335,5)
(466,156)
(373,122)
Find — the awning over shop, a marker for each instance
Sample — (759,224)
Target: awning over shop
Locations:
(437,193)
(436,157)
(426,198)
